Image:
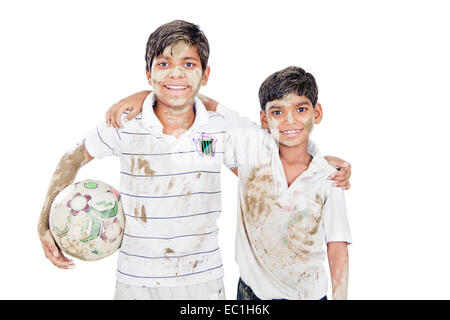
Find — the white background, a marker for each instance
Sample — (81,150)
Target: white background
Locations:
(382,68)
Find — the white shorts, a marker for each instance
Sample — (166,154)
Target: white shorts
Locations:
(211,290)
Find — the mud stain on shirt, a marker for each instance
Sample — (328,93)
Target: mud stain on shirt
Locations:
(144,164)
(132,164)
(168,250)
(259,197)
(143,214)
(171,183)
(281,237)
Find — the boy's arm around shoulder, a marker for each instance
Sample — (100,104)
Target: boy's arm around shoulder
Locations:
(233,119)
(240,129)
(63,176)
(132,103)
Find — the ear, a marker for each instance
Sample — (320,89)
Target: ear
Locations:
(149,76)
(318,113)
(263,118)
(205,75)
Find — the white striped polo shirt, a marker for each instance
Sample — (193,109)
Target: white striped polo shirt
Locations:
(171,196)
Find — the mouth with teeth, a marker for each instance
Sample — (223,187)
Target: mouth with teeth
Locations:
(176,88)
(292,132)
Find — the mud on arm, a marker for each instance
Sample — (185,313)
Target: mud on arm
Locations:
(338,261)
(63,176)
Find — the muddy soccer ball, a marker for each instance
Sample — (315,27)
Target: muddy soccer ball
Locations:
(87,220)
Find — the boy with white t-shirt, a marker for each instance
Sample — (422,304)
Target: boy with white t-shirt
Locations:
(288,207)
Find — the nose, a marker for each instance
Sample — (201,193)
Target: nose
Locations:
(290,118)
(177,72)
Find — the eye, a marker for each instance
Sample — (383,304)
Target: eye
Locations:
(301,109)
(189,64)
(276,112)
(163,64)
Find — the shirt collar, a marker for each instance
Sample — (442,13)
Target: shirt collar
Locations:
(149,118)
(317,164)
(152,123)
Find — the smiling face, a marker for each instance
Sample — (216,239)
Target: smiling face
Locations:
(176,75)
(291,119)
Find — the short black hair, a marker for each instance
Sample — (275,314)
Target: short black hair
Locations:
(286,81)
(170,33)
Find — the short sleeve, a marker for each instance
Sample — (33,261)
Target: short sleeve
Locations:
(246,138)
(103,141)
(229,158)
(335,220)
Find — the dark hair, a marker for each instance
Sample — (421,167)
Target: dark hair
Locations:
(286,81)
(170,33)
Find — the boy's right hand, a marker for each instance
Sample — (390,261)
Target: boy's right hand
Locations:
(132,103)
(53,253)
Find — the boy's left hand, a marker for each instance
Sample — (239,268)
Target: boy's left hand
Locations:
(342,177)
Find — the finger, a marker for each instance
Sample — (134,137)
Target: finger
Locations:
(113,121)
(133,112)
(128,117)
(343,169)
(62,262)
(59,260)
(338,176)
(120,111)
(134,109)
(339,184)
(56,257)
(349,185)
(110,118)
(117,119)
(342,172)
(344,185)
(339,179)
(339,163)
(108,121)
(341,166)
(67,259)
(131,115)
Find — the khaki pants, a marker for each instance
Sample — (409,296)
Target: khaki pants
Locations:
(211,290)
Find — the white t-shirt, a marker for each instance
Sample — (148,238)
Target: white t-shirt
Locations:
(171,196)
(281,230)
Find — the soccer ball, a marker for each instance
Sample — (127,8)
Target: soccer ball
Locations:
(87,220)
